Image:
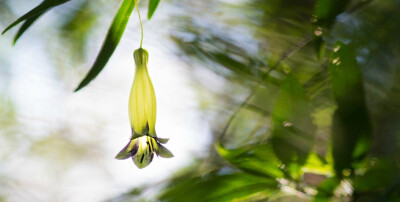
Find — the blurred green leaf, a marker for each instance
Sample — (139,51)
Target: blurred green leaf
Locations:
(152,8)
(342,145)
(317,164)
(226,55)
(231,62)
(326,189)
(325,16)
(258,160)
(345,75)
(237,186)
(351,128)
(135,194)
(327,10)
(31,16)
(76,30)
(387,173)
(110,43)
(381,182)
(293,130)
(319,45)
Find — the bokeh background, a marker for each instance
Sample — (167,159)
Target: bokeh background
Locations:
(258,98)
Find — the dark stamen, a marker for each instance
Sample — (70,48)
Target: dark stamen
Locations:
(151,157)
(148,145)
(147,128)
(141,160)
(151,146)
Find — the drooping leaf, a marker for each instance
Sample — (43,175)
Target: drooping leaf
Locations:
(237,186)
(152,8)
(31,16)
(293,130)
(351,132)
(113,37)
(24,27)
(258,160)
(327,10)
(342,144)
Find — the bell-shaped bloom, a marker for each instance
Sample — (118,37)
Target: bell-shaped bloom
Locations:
(142,115)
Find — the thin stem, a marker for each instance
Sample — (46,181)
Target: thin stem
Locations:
(140,20)
(233,116)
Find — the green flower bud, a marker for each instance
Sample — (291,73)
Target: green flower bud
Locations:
(142,100)
(142,115)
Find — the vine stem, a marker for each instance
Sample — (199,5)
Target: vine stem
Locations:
(141,25)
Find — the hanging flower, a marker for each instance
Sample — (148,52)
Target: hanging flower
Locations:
(142,115)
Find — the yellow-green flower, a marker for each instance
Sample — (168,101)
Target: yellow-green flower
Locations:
(142,115)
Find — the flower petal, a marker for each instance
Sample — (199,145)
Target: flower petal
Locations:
(162,140)
(129,150)
(164,152)
(141,161)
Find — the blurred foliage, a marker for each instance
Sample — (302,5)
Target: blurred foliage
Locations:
(310,104)
(319,85)
(77,28)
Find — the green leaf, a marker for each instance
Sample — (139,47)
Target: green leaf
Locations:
(152,8)
(351,127)
(33,15)
(113,37)
(327,10)
(258,160)
(293,130)
(237,186)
